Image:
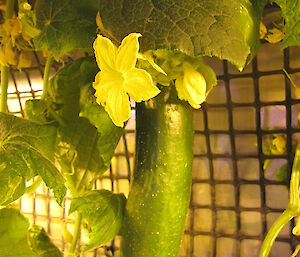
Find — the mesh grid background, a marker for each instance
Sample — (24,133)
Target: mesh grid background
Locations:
(234,201)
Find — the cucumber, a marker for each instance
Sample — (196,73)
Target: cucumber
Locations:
(160,191)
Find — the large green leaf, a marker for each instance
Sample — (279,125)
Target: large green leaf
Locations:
(104,213)
(17,241)
(64,25)
(27,150)
(291,14)
(13,234)
(63,93)
(109,133)
(64,88)
(79,155)
(40,243)
(36,110)
(85,146)
(226,29)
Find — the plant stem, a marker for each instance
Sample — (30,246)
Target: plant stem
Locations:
(295,179)
(292,211)
(76,233)
(46,76)
(4,86)
(281,221)
(60,121)
(71,184)
(10,5)
(34,185)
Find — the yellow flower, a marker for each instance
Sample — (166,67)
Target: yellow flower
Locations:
(13,27)
(278,144)
(191,86)
(119,78)
(275,35)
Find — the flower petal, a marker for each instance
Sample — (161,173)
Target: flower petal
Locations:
(118,106)
(105,52)
(103,83)
(192,87)
(182,95)
(110,94)
(127,52)
(179,88)
(139,85)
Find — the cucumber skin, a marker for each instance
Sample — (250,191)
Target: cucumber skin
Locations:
(160,191)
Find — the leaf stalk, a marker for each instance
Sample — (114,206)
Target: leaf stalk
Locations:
(46,76)
(34,185)
(292,211)
(76,233)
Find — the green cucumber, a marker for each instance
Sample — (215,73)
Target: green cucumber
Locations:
(160,191)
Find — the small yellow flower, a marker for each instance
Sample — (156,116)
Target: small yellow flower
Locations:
(27,6)
(275,35)
(119,78)
(278,144)
(191,86)
(13,28)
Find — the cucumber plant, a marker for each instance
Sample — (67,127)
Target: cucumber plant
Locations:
(150,51)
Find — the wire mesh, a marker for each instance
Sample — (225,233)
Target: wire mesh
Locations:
(234,200)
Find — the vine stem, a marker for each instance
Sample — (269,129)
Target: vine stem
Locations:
(34,185)
(4,86)
(10,5)
(280,222)
(292,211)
(295,179)
(46,76)
(76,233)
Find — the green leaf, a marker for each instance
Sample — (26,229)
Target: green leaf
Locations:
(65,25)
(64,88)
(40,243)
(36,110)
(226,29)
(109,133)
(104,213)
(267,163)
(282,175)
(84,151)
(79,156)
(13,234)
(17,241)
(27,150)
(85,147)
(291,14)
